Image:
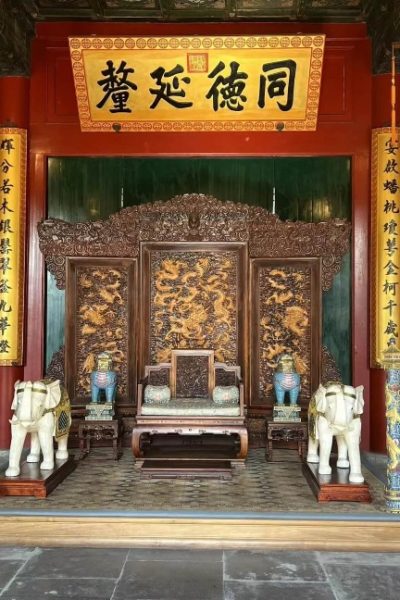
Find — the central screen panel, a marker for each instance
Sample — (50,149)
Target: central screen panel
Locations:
(194,296)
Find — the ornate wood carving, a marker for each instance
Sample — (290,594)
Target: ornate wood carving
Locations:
(116,236)
(195,217)
(255,425)
(192,376)
(329,368)
(193,296)
(270,237)
(193,303)
(285,322)
(285,319)
(56,369)
(224,377)
(159,377)
(99,319)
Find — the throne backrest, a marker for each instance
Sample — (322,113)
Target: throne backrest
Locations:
(192,373)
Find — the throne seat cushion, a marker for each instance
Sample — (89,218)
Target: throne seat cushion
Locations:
(157,394)
(226,394)
(191,407)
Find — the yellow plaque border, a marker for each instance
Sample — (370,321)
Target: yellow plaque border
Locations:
(18,360)
(375,350)
(315,42)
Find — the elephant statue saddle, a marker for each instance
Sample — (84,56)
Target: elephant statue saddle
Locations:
(61,412)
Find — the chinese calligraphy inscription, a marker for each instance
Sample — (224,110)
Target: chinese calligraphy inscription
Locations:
(199,83)
(12,217)
(386,221)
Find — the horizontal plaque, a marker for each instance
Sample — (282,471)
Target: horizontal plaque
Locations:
(226,83)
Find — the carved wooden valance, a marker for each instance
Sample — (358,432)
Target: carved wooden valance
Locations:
(195,217)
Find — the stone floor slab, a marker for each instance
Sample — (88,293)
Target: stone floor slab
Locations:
(154,554)
(360,558)
(264,590)
(43,589)
(76,562)
(363,582)
(8,570)
(11,553)
(272,566)
(170,580)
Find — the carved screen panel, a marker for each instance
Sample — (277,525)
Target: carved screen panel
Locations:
(194,295)
(286,318)
(100,303)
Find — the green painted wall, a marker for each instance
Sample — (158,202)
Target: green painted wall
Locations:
(308,189)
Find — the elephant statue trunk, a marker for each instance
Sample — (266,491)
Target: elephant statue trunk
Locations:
(335,410)
(42,409)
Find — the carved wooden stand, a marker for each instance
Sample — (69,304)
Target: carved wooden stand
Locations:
(99,430)
(335,487)
(286,432)
(34,482)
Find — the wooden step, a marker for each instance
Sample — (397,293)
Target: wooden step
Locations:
(187,469)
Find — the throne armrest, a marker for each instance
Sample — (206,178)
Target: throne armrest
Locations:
(158,374)
(140,393)
(230,375)
(241,396)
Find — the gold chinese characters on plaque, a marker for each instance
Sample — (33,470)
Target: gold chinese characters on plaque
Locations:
(385,243)
(12,243)
(231,83)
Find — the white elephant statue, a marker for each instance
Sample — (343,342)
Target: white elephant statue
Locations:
(335,410)
(41,408)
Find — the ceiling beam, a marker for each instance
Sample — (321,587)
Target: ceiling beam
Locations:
(17,20)
(17,28)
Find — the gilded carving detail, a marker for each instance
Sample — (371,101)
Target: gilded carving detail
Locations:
(56,370)
(101,324)
(285,324)
(200,218)
(193,303)
(329,368)
(272,238)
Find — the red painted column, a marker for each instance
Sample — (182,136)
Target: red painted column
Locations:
(14,112)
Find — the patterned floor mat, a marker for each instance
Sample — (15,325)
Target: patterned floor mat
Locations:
(100,483)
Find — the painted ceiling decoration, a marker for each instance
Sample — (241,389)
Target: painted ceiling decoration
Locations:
(17,19)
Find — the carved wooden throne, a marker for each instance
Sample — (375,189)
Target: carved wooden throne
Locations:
(196,385)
